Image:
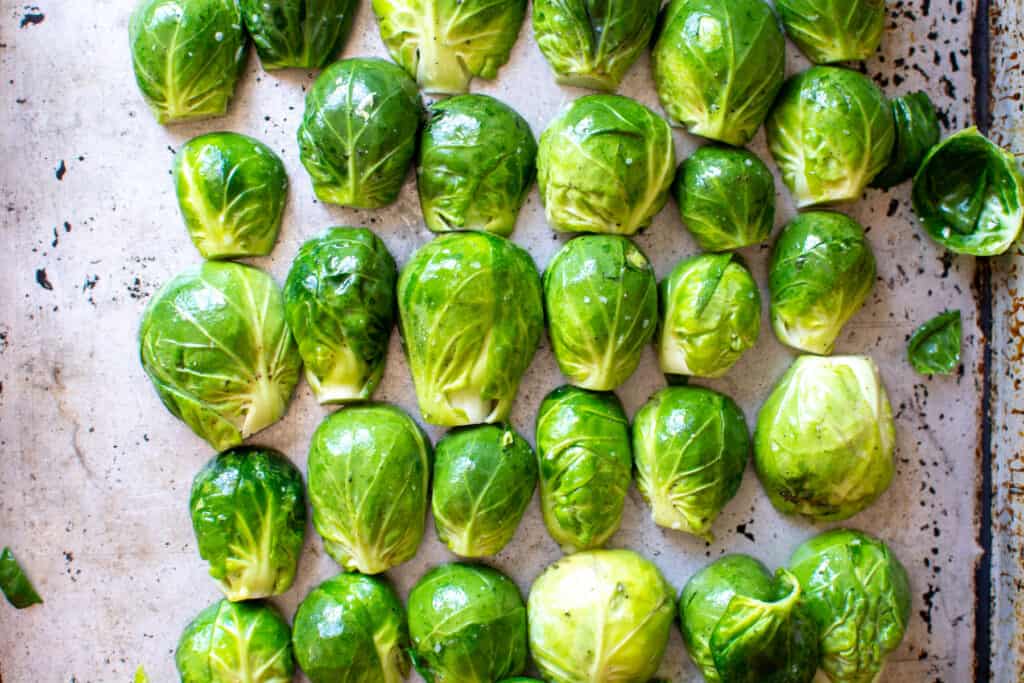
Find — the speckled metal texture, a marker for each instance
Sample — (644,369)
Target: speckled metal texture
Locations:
(95,474)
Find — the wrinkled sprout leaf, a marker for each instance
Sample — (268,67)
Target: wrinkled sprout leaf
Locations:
(917,131)
(934,348)
(15,584)
(304,34)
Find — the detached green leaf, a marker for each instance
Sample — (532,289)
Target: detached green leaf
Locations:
(16,587)
(934,348)
(140,675)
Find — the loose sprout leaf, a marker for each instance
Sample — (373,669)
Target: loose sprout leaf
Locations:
(917,131)
(304,34)
(140,675)
(14,583)
(829,31)
(934,348)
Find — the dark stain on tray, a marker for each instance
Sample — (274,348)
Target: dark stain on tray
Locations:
(62,170)
(31,17)
(42,280)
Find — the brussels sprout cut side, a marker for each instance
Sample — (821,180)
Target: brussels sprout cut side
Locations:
(585,459)
(830,31)
(831,132)
(187,56)
(858,593)
(710,316)
(917,131)
(718,65)
(825,438)
(369,470)
(236,641)
(231,190)
(690,446)
(605,165)
(484,477)
(592,44)
(969,195)
(741,625)
(216,346)
(602,309)
(598,616)
(471,315)
(340,302)
(352,628)
(304,34)
(358,134)
(444,44)
(477,161)
(468,625)
(934,348)
(248,510)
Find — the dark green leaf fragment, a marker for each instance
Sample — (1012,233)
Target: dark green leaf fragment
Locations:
(15,584)
(917,131)
(934,348)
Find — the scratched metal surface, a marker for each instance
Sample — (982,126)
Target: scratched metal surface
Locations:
(94,474)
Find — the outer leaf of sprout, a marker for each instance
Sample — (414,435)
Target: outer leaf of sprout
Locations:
(830,31)
(304,34)
(934,348)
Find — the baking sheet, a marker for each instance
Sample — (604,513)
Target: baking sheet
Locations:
(95,474)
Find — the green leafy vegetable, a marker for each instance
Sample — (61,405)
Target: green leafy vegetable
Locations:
(917,131)
(829,31)
(16,586)
(305,34)
(934,348)
(140,675)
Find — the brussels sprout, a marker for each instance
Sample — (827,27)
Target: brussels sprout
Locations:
(230,642)
(605,164)
(471,316)
(358,135)
(586,463)
(825,438)
(592,43)
(352,628)
(917,131)
(305,34)
(602,309)
(249,515)
(216,346)
(710,315)
(444,44)
(741,625)
(231,190)
(829,31)
(187,56)
(477,161)
(600,616)
(340,303)
(831,132)
(468,625)
(858,593)
(484,478)
(520,679)
(718,65)
(934,348)
(690,446)
(821,273)
(15,584)
(969,195)
(369,469)
(726,198)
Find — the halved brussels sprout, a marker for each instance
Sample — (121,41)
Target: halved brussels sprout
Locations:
(690,446)
(858,593)
(934,348)
(969,195)
(592,43)
(477,161)
(187,56)
(586,463)
(216,346)
(600,616)
(710,315)
(358,134)
(741,625)
(236,641)
(304,34)
(718,65)
(484,477)
(726,198)
(831,132)
(917,131)
(605,165)
(468,625)
(444,44)
(602,309)
(471,315)
(231,190)
(830,31)
(248,510)
(352,628)
(825,438)
(369,470)
(822,271)
(340,301)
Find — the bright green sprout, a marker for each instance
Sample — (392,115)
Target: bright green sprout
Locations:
(934,348)
(830,31)
(303,34)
